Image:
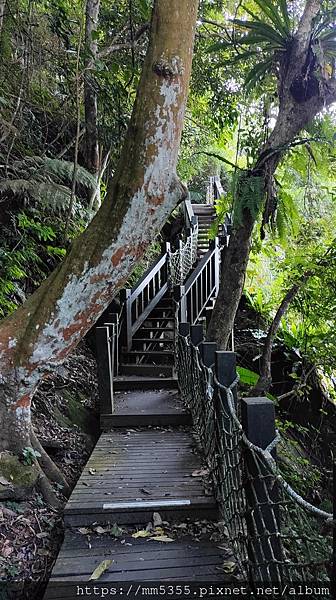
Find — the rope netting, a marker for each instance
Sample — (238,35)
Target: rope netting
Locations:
(182,260)
(277,536)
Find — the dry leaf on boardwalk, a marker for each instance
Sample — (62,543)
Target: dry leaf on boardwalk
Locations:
(102,567)
(141,534)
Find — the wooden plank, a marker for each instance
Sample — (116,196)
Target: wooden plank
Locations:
(85,565)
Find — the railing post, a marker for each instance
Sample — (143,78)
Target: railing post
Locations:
(225,365)
(262,494)
(180,245)
(196,334)
(208,352)
(127,332)
(104,369)
(184,329)
(179,296)
(217,265)
(168,250)
(114,331)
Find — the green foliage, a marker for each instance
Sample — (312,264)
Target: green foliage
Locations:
(30,455)
(249,194)
(44,179)
(247,376)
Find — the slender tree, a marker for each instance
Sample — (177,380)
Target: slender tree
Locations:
(140,197)
(305,87)
(90,92)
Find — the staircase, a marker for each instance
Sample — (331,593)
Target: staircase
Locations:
(152,350)
(206,215)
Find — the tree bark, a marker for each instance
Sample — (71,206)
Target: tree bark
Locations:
(265,379)
(294,115)
(90,92)
(2,13)
(140,197)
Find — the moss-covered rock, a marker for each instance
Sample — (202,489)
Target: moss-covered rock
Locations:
(17,480)
(79,415)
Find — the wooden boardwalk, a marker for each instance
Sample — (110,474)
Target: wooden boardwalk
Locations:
(132,473)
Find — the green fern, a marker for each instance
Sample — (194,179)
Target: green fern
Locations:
(287,216)
(46,180)
(248,194)
(61,171)
(49,194)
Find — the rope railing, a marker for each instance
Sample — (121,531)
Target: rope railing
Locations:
(183,259)
(277,536)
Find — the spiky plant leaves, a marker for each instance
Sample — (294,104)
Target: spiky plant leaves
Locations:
(50,194)
(56,169)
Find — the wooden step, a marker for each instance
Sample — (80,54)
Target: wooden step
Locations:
(137,560)
(155,408)
(152,353)
(153,340)
(132,474)
(147,370)
(161,319)
(156,329)
(135,382)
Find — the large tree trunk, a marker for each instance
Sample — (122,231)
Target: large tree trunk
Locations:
(142,194)
(297,107)
(90,93)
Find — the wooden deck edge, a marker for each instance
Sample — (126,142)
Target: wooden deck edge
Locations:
(193,512)
(138,420)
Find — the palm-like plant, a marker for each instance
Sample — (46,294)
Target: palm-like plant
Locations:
(271,35)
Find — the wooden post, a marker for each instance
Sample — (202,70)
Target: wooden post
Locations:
(181,262)
(184,329)
(208,351)
(262,494)
(217,265)
(196,334)
(104,370)
(126,330)
(183,305)
(114,320)
(226,368)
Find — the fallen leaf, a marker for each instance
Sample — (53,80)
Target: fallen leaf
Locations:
(141,534)
(100,530)
(157,521)
(92,471)
(144,491)
(102,567)
(159,531)
(162,538)
(84,530)
(229,566)
(42,535)
(200,472)
(116,531)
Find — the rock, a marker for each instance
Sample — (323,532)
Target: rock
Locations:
(22,477)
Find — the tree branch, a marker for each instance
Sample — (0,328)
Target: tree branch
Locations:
(304,30)
(115,47)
